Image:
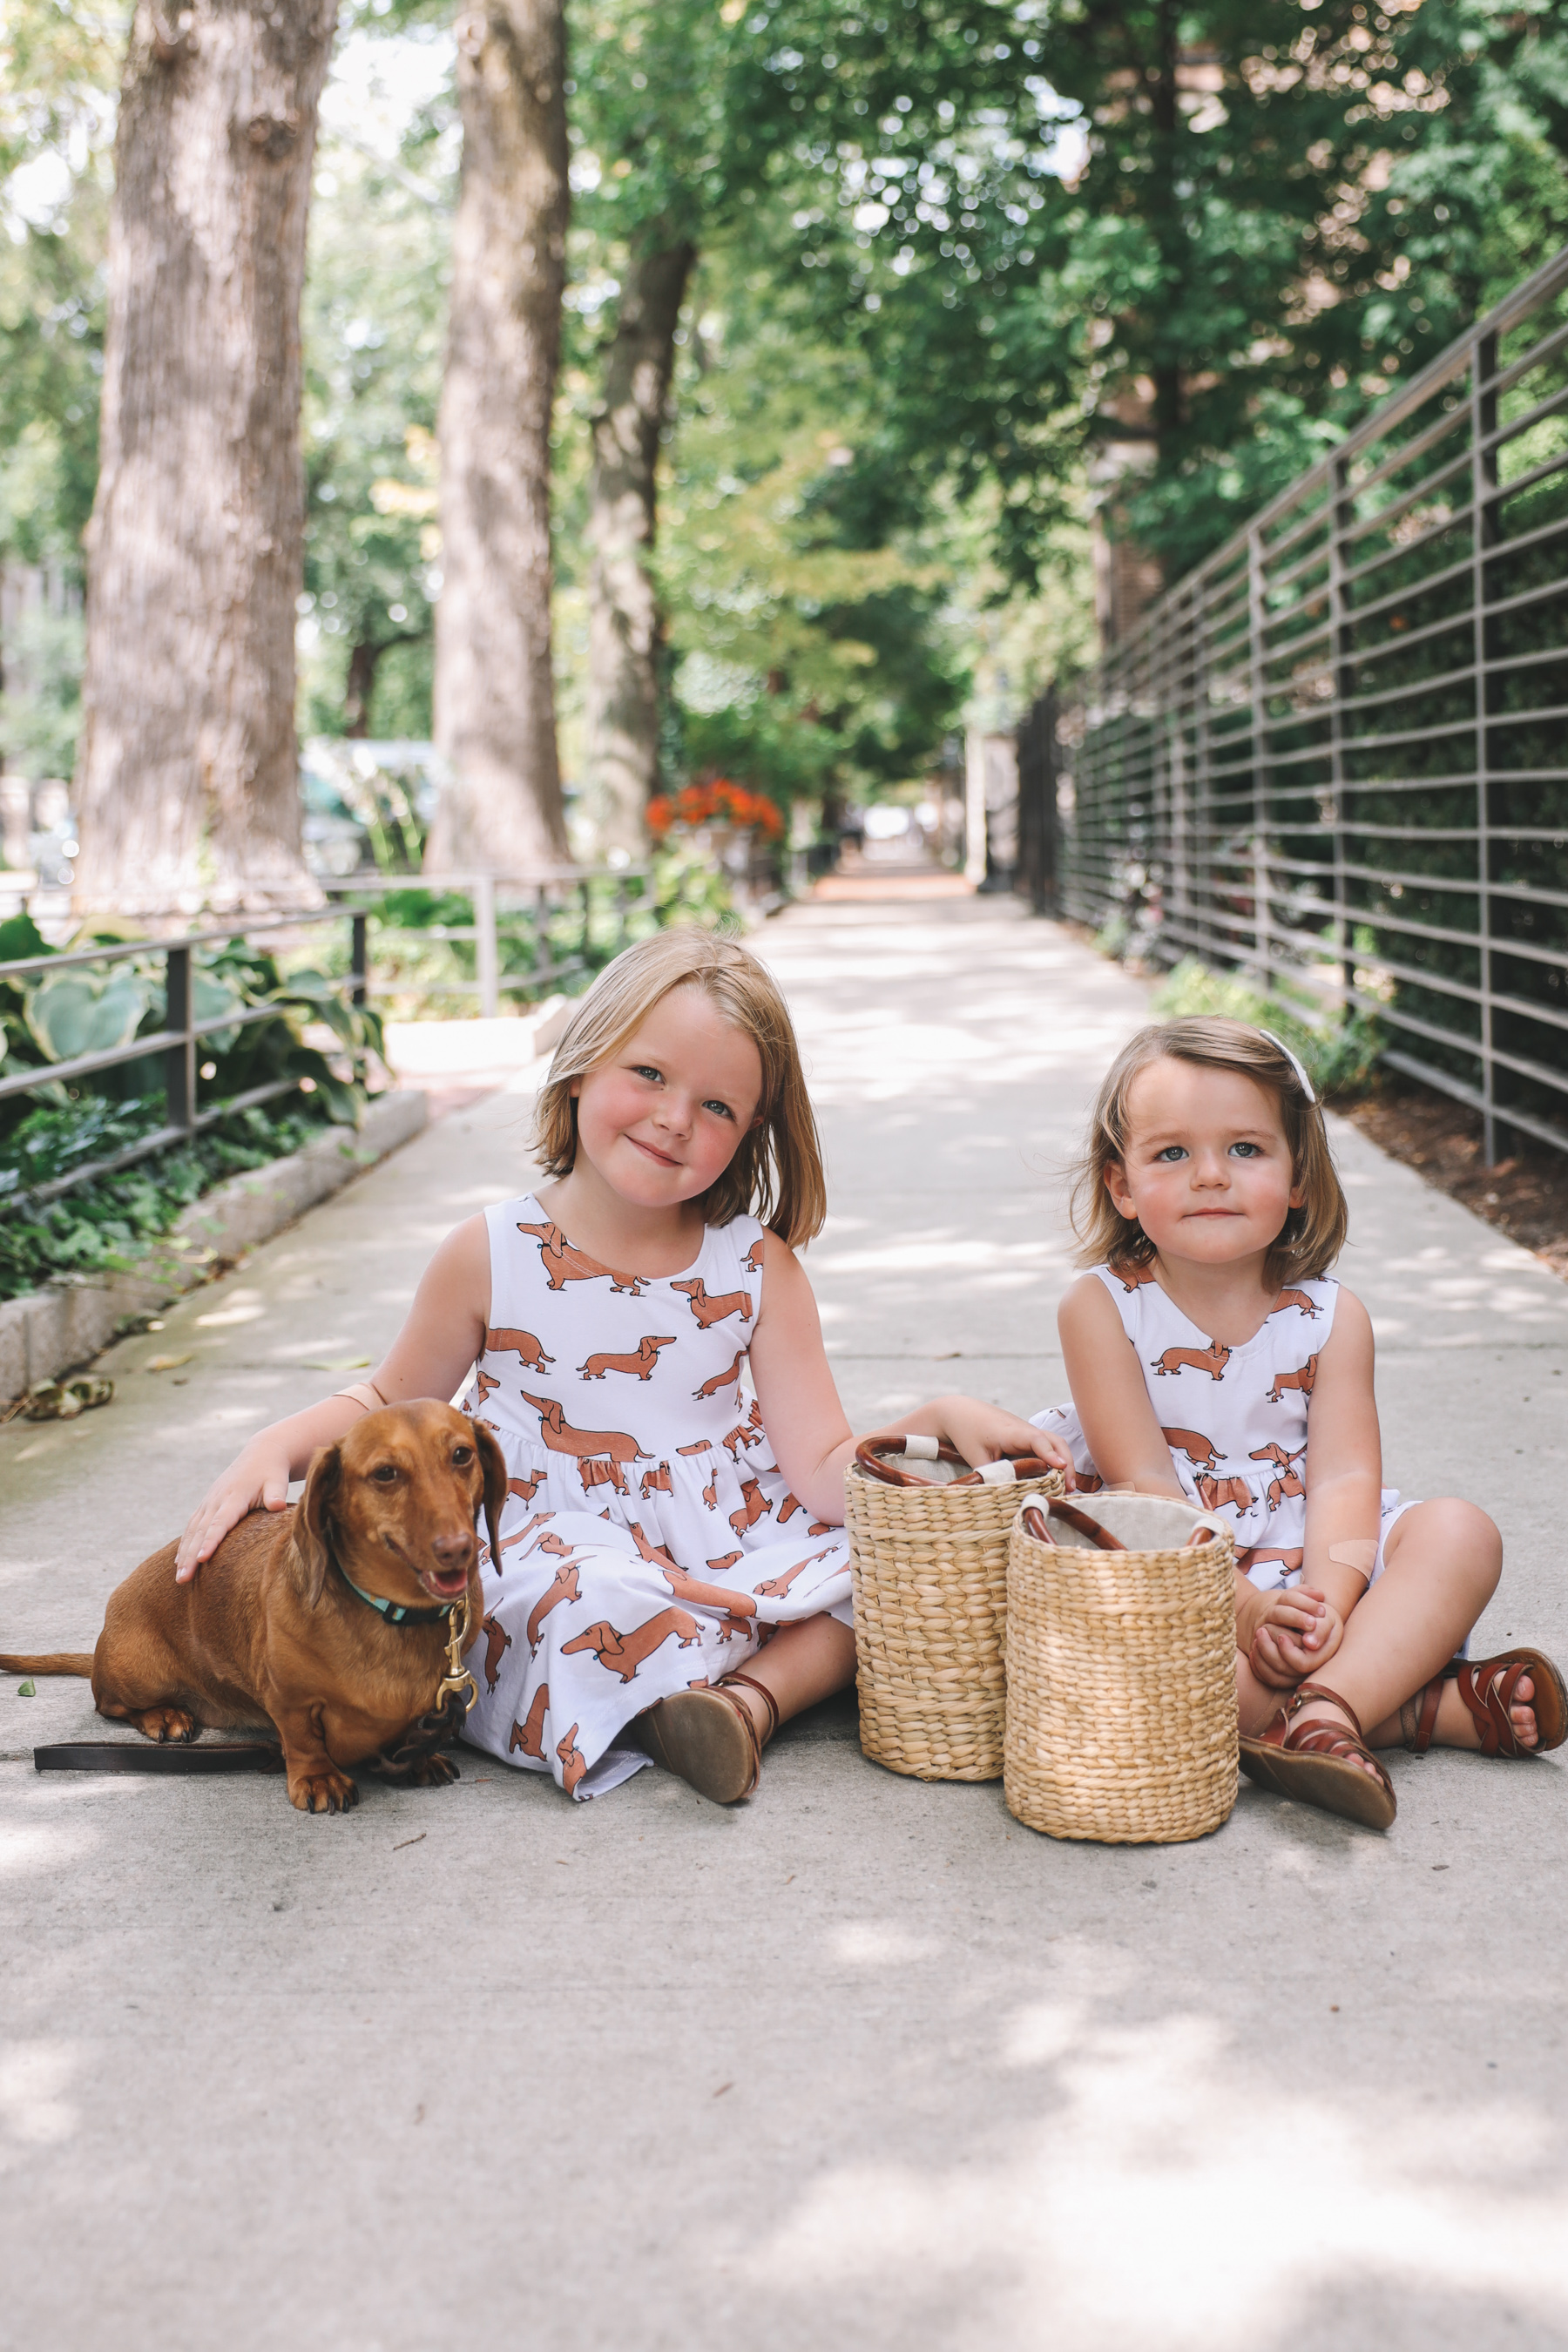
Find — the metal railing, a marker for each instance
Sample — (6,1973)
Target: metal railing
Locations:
(1334,756)
(493,897)
(176,1041)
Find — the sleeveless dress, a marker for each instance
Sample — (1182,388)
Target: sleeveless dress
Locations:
(1233,1418)
(649,1538)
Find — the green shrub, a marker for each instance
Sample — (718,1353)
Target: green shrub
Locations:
(108,1224)
(1339,1060)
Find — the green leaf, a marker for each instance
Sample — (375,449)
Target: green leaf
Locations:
(74,1013)
(20,937)
(27,1690)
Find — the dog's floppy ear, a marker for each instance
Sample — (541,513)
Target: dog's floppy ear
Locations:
(312,1519)
(492,1462)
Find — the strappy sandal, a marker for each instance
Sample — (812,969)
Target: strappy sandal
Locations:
(1488,1689)
(1309,1760)
(709,1738)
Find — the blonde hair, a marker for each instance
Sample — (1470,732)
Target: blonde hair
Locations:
(1312,1236)
(776,1173)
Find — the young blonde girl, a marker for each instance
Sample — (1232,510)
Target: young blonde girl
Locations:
(1210,1213)
(660,1530)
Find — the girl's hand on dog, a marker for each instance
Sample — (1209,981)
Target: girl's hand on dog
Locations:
(257,1481)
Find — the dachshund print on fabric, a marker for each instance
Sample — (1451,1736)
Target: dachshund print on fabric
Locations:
(1248,1459)
(640,1366)
(1218,1491)
(573,1763)
(1199,1449)
(709,1311)
(520,1344)
(754,1506)
(563,1589)
(562,1263)
(1212,1360)
(1133,1278)
(633,1529)
(530,1736)
(623,1654)
(498,1642)
(561,1437)
(1300,1298)
(775,1589)
(1288,1482)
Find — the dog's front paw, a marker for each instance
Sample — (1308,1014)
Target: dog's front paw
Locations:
(323,1790)
(166,1724)
(432,1772)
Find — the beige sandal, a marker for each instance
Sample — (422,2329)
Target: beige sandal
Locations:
(1311,1762)
(709,1738)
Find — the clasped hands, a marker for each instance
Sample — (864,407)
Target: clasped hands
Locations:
(1288,1635)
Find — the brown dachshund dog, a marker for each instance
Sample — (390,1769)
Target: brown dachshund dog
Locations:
(1294,1298)
(1199,1449)
(498,1642)
(1302,1379)
(269,1632)
(563,1589)
(1289,1481)
(1217,1492)
(709,1311)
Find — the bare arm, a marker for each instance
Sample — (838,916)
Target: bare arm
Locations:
(443,1332)
(1107,1389)
(806,1423)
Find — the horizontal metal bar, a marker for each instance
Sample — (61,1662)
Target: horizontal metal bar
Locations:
(85,1065)
(68,958)
(163,1138)
(1506,1115)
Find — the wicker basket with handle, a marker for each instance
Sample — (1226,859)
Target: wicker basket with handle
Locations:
(929,1561)
(1121,1723)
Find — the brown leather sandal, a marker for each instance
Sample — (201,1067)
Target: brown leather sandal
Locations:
(709,1738)
(1487,1689)
(1309,1760)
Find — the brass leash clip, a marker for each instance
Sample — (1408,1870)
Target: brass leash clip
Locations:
(457,1682)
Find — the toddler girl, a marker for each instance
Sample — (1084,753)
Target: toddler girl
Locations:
(1210,1213)
(659,1529)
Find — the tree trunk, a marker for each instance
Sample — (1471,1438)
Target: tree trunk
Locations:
(360,687)
(187,780)
(624,621)
(494,691)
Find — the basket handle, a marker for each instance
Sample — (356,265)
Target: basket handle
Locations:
(871,1450)
(1037,1525)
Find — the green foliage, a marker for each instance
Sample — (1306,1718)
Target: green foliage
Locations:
(110,1224)
(55,1017)
(40,709)
(1338,1059)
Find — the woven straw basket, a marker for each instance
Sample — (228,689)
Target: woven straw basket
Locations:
(1121,1722)
(930,1568)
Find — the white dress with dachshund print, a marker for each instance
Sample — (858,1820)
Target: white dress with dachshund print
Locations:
(1233,1418)
(648,1535)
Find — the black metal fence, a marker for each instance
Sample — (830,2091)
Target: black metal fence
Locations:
(1335,756)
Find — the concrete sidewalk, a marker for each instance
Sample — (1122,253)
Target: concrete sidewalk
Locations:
(862,2058)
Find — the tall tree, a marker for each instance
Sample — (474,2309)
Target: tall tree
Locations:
(187,774)
(494,689)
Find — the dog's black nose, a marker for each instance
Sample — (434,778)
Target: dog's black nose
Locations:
(456,1544)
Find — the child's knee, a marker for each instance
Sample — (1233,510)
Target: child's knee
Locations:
(1466,1533)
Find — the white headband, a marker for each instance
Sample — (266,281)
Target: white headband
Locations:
(1306,1083)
